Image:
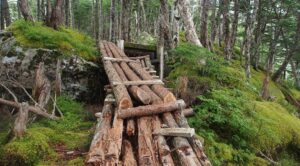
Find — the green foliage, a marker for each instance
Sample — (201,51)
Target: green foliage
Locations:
(73,132)
(36,35)
(230,115)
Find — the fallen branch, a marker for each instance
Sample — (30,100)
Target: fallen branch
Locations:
(33,109)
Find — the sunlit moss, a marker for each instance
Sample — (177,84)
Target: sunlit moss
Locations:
(36,35)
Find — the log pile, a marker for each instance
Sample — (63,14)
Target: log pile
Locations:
(146,125)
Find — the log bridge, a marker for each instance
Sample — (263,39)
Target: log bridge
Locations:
(142,122)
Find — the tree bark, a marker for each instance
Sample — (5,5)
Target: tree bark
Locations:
(191,35)
(6,13)
(227,41)
(215,21)
(25,10)
(56,16)
(128,156)
(112,21)
(164,24)
(251,17)
(295,74)
(203,24)
(151,109)
(234,27)
(21,120)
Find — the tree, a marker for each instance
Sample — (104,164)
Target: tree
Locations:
(6,14)
(226,23)
(112,21)
(165,32)
(56,16)
(203,24)
(251,17)
(191,35)
(291,52)
(25,10)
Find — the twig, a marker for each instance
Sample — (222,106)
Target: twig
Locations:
(9,91)
(269,159)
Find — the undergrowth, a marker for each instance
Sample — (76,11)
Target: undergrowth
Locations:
(43,136)
(236,124)
(36,35)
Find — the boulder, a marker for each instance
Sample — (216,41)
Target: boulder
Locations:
(81,79)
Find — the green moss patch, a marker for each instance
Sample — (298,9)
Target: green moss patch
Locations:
(36,35)
(231,116)
(44,136)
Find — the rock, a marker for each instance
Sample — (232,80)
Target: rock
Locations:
(81,79)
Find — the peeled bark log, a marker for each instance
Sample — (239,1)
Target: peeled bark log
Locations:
(122,97)
(188,112)
(151,109)
(128,156)
(21,120)
(96,153)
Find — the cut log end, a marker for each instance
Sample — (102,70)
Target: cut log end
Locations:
(169,98)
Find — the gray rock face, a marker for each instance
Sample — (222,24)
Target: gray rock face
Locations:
(82,80)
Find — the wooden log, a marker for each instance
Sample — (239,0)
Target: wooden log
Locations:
(151,109)
(138,83)
(122,97)
(97,148)
(194,142)
(33,109)
(21,120)
(128,155)
(176,132)
(118,60)
(188,112)
(145,145)
(139,57)
(130,128)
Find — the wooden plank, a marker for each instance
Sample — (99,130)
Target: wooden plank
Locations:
(137,83)
(151,109)
(118,60)
(176,132)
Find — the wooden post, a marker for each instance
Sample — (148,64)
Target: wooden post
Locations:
(161,61)
(120,44)
(21,120)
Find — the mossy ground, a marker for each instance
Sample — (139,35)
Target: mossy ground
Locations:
(68,41)
(39,146)
(234,121)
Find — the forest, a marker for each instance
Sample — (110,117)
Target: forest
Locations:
(157,82)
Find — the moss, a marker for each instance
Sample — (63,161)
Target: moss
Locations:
(36,35)
(76,162)
(38,145)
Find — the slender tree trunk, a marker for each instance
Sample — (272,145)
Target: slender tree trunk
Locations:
(295,74)
(165,27)
(25,10)
(234,26)
(175,26)
(291,53)
(6,14)
(100,20)
(227,41)
(203,24)
(38,10)
(96,22)
(213,20)
(48,12)
(1,16)
(269,66)
(112,21)
(249,32)
(191,35)
(68,13)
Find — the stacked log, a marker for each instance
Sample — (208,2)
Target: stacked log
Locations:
(155,107)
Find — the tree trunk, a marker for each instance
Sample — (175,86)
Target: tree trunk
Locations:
(21,120)
(25,10)
(56,16)
(48,12)
(126,19)
(203,24)
(259,31)
(295,74)
(112,21)
(227,41)
(68,13)
(248,38)
(291,53)
(175,26)
(96,21)
(234,27)
(164,24)
(215,21)
(269,66)
(191,35)
(6,13)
